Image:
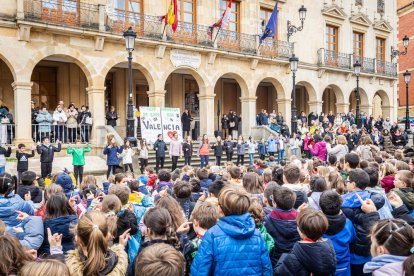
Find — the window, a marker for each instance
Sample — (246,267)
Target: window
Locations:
(332,38)
(61,11)
(264,17)
(234,24)
(380,49)
(358,44)
(186,11)
(128,13)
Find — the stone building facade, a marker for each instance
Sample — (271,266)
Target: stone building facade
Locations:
(406,62)
(73,50)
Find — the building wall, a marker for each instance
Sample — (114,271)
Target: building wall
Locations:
(88,60)
(406,62)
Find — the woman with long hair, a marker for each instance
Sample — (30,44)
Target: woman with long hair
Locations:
(218,150)
(13,256)
(175,210)
(127,154)
(111,151)
(188,150)
(203,151)
(143,147)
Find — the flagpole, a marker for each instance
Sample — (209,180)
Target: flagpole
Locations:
(165,27)
(216,35)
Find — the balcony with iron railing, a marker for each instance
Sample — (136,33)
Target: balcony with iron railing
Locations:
(335,60)
(91,17)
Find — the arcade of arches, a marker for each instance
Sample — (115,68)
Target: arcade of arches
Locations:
(57,78)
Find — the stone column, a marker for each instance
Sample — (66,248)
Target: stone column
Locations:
(248,114)
(207,114)
(22,107)
(367,109)
(285,106)
(342,107)
(157,98)
(315,107)
(96,102)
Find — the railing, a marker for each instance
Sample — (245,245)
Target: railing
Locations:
(63,13)
(7,133)
(334,59)
(367,64)
(237,42)
(275,48)
(386,68)
(62,133)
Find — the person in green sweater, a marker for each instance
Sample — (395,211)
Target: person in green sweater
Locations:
(78,161)
(257,213)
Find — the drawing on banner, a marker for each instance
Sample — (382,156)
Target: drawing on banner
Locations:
(151,124)
(171,124)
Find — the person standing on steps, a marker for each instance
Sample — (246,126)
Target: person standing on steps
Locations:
(186,122)
(143,148)
(111,117)
(218,150)
(225,126)
(229,146)
(23,160)
(47,154)
(176,151)
(127,154)
(78,159)
(160,147)
(188,150)
(111,151)
(241,150)
(59,122)
(251,148)
(203,151)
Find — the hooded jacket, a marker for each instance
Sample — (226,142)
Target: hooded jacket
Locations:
(319,150)
(78,154)
(351,206)
(116,265)
(45,120)
(385,265)
(341,233)
(35,192)
(301,193)
(271,144)
(32,235)
(59,225)
(317,259)
(47,152)
(112,155)
(313,200)
(9,206)
(281,225)
(232,247)
(387,182)
(406,195)
(261,149)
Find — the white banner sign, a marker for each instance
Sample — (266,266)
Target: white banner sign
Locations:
(171,123)
(155,121)
(150,123)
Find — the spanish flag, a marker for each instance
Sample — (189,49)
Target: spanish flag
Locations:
(171,17)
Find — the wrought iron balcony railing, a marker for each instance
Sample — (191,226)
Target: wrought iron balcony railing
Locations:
(74,14)
(333,59)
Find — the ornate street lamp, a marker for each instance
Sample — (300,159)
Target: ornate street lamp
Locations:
(357,72)
(129,37)
(291,29)
(293,60)
(395,52)
(407,77)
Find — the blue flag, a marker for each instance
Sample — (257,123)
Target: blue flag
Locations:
(271,26)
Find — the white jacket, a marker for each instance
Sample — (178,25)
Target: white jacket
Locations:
(59,116)
(127,156)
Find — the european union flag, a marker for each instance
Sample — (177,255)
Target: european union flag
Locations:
(270,30)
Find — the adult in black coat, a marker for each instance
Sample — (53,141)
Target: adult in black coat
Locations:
(186,122)
(312,117)
(111,117)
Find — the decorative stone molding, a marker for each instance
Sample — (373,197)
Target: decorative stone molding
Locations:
(334,11)
(160,51)
(212,58)
(99,43)
(253,63)
(24,32)
(321,72)
(360,19)
(382,25)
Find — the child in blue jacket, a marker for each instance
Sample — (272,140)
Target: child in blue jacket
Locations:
(261,148)
(340,231)
(233,246)
(111,151)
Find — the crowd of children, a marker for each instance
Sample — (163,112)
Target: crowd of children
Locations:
(352,215)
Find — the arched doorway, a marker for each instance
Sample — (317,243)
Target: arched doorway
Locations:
(268,92)
(59,79)
(364,104)
(7,133)
(306,98)
(331,97)
(381,105)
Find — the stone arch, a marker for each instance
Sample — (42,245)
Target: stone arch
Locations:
(68,54)
(309,89)
(245,93)
(365,103)
(332,98)
(9,65)
(200,78)
(280,90)
(270,95)
(306,98)
(381,104)
(144,67)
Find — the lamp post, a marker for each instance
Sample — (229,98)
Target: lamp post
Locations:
(357,71)
(395,52)
(293,60)
(291,29)
(129,37)
(407,77)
